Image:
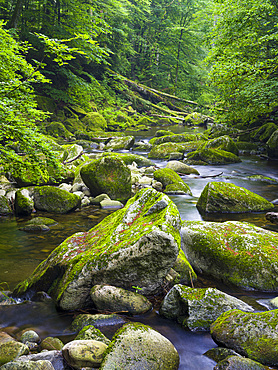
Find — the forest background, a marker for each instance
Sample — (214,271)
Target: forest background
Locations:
(62,59)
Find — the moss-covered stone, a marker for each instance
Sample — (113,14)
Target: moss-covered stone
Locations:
(101,321)
(186,273)
(272,145)
(58,130)
(164,151)
(171,181)
(223,143)
(74,124)
(239,363)
(264,132)
(134,246)
(196,309)
(213,156)
(108,175)
(52,199)
(160,133)
(125,142)
(114,299)
(89,332)
(223,197)
(181,168)
(94,120)
(51,344)
(253,335)
(234,252)
(24,205)
(175,138)
(137,346)
(84,353)
(129,158)
(10,350)
(5,208)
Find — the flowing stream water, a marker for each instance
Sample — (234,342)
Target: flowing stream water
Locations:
(21,252)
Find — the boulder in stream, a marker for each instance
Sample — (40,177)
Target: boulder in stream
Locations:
(171,181)
(134,246)
(224,197)
(136,346)
(196,309)
(254,335)
(223,143)
(181,168)
(212,156)
(5,208)
(118,143)
(272,145)
(234,252)
(23,203)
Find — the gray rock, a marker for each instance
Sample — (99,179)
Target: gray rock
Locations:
(113,299)
(84,353)
(136,347)
(111,204)
(272,217)
(118,143)
(238,363)
(196,309)
(28,365)
(53,356)
(30,336)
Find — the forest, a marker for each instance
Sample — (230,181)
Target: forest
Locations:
(216,57)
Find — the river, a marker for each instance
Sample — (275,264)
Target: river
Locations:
(21,252)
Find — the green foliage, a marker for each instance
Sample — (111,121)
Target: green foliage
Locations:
(18,133)
(243,57)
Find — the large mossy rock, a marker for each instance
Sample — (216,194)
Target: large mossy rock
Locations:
(135,246)
(213,156)
(119,143)
(171,181)
(93,121)
(108,175)
(239,363)
(196,309)
(52,199)
(164,151)
(264,132)
(176,138)
(272,145)
(23,204)
(224,197)
(10,350)
(223,143)
(129,158)
(254,335)
(137,346)
(234,252)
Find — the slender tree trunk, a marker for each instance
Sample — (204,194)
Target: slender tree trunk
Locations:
(13,23)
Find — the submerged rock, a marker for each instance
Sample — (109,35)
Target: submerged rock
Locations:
(135,246)
(114,299)
(234,252)
(223,197)
(196,309)
(254,335)
(137,346)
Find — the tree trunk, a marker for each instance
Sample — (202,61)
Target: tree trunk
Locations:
(13,23)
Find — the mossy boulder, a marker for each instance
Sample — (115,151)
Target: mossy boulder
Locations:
(58,130)
(129,158)
(196,309)
(160,133)
(118,143)
(53,199)
(51,343)
(181,168)
(84,353)
(108,175)
(89,332)
(272,145)
(171,181)
(134,246)
(254,335)
(224,197)
(174,138)
(23,203)
(5,208)
(239,363)
(10,350)
(213,156)
(71,152)
(164,151)
(28,365)
(234,252)
(94,120)
(74,124)
(114,299)
(223,143)
(264,132)
(138,346)
(142,146)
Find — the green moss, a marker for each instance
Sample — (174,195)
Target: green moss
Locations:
(176,138)
(264,132)
(58,130)
(186,273)
(171,181)
(94,120)
(160,133)
(223,143)
(213,156)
